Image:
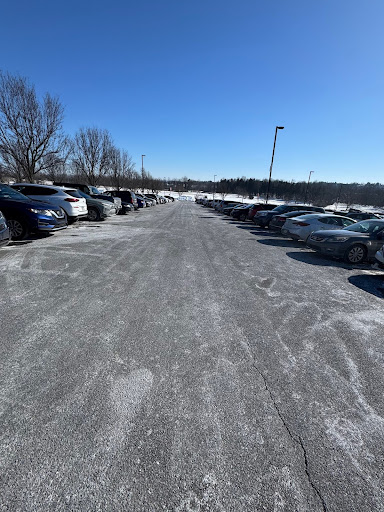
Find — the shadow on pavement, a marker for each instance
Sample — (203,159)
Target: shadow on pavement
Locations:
(282,242)
(312,258)
(373,284)
(19,242)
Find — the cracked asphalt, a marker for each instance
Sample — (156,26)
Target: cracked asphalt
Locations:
(176,360)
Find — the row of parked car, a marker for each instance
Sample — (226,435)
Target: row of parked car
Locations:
(30,207)
(354,236)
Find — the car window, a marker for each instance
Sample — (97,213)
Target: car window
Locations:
(333,221)
(346,222)
(9,193)
(366,226)
(74,193)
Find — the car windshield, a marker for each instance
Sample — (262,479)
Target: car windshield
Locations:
(9,193)
(279,209)
(83,194)
(366,226)
(94,190)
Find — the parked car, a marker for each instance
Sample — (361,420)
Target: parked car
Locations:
(93,192)
(363,216)
(5,234)
(263,217)
(74,207)
(278,221)
(379,256)
(241,213)
(24,215)
(299,228)
(155,197)
(229,207)
(354,244)
(258,207)
(125,195)
(97,208)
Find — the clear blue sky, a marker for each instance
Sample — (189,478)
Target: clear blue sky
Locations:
(199,86)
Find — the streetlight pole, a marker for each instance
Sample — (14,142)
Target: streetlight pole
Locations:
(306,190)
(142,172)
(214,186)
(273,154)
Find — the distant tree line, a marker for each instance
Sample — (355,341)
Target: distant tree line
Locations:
(34,147)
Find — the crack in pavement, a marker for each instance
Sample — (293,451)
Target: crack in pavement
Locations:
(296,438)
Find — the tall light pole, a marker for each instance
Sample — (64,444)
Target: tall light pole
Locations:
(214,186)
(273,154)
(142,172)
(306,190)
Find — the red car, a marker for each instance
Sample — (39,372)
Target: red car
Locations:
(259,206)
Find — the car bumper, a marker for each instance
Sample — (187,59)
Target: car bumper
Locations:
(337,250)
(5,237)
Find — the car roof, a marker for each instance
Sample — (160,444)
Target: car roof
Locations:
(55,187)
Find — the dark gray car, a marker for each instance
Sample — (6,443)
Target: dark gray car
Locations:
(354,244)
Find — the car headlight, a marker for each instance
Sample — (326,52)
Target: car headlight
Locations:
(338,239)
(41,212)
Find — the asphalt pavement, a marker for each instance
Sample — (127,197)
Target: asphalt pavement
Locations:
(176,360)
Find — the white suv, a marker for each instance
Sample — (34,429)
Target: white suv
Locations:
(73,207)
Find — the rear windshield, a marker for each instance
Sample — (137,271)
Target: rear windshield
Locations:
(75,193)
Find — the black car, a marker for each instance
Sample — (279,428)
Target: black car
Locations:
(241,213)
(24,215)
(354,243)
(263,217)
(126,196)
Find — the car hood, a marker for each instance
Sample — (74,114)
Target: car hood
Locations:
(30,203)
(339,232)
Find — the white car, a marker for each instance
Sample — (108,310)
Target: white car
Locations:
(380,257)
(74,207)
(300,228)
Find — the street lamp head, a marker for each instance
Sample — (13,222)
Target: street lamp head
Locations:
(280,127)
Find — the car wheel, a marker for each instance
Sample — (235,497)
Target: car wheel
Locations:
(93,214)
(242,217)
(355,254)
(18,228)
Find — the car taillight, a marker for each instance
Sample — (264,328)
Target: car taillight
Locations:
(301,223)
(71,200)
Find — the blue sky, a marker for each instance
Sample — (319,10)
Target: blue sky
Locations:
(200,86)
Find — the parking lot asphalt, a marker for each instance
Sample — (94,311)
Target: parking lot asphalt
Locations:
(176,360)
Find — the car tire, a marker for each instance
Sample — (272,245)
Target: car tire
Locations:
(18,229)
(93,214)
(242,217)
(72,220)
(355,254)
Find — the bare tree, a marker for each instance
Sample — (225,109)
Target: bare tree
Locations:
(122,169)
(31,136)
(92,154)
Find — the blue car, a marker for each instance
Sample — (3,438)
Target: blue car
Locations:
(5,235)
(24,215)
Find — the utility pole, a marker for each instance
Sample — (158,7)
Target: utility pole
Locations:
(273,154)
(142,173)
